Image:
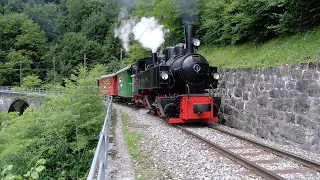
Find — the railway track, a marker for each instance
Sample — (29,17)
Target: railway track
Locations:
(257,166)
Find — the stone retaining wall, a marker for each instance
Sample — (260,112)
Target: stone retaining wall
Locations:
(281,104)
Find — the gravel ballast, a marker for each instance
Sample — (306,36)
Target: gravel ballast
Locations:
(179,156)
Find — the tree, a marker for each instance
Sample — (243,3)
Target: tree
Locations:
(21,40)
(11,72)
(166,12)
(71,50)
(299,16)
(136,52)
(13,6)
(32,81)
(75,11)
(47,16)
(239,21)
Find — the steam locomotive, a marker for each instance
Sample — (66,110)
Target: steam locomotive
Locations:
(172,85)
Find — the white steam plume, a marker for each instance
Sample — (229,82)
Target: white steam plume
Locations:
(149,33)
(124,31)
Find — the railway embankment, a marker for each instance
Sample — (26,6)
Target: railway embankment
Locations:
(166,152)
(281,104)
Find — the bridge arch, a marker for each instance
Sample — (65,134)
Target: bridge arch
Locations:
(18,105)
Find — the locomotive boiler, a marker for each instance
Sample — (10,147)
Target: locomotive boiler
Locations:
(173,85)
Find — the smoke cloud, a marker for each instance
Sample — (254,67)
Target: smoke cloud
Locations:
(149,33)
(125,29)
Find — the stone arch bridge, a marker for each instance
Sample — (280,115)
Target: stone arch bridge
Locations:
(11,101)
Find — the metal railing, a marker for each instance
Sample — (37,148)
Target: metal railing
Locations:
(99,163)
(29,90)
(5,88)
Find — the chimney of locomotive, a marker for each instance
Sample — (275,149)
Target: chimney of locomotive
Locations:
(189,33)
(154,58)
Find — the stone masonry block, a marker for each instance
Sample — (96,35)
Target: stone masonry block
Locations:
(245,96)
(316,110)
(274,93)
(290,85)
(239,105)
(242,83)
(314,89)
(307,74)
(304,66)
(290,118)
(238,92)
(302,86)
(263,101)
(263,132)
(283,105)
(315,75)
(293,133)
(313,66)
(302,105)
(285,71)
(305,122)
(280,83)
(296,73)
(251,106)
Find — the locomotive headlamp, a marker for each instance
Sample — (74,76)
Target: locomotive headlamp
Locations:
(216,76)
(196,42)
(164,75)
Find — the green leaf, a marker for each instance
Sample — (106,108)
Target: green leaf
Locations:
(41,161)
(7,168)
(35,175)
(40,168)
(15,178)
(28,174)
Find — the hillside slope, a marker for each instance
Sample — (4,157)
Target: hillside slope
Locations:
(304,47)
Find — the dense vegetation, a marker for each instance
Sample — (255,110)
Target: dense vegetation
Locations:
(48,38)
(64,131)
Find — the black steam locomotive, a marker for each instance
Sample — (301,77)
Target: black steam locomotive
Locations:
(172,85)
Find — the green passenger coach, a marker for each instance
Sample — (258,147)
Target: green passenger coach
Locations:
(125,82)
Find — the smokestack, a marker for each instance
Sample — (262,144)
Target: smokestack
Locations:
(154,58)
(189,33)
(170,51)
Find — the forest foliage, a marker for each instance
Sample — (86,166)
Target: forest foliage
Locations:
(64,131)
(47,38)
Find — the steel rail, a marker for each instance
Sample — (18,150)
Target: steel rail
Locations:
(240,160)
(285,154)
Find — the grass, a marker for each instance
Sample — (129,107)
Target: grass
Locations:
(303,47)
(132,140)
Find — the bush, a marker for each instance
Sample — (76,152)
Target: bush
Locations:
(238,21)
(31,81)
(300,15)
(63,131)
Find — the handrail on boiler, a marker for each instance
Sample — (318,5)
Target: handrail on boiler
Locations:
(99,163)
